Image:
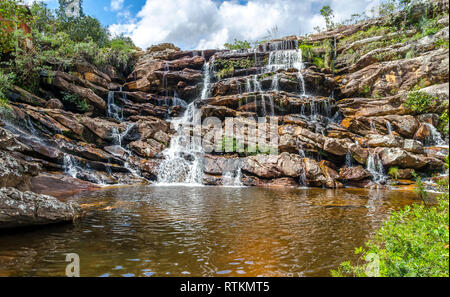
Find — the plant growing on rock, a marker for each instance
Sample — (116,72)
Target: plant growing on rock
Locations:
(393,172)
(238,45)
(73,99)
(420,102)
(5,83)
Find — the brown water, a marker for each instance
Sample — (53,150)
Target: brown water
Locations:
(205,231)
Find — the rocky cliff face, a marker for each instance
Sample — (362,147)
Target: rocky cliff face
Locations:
(337,101)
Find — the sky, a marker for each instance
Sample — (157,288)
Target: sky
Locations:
(206,24)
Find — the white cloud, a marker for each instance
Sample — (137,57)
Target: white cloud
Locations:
(116,5)
(205,24)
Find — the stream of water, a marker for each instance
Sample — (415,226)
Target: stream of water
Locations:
(205,231)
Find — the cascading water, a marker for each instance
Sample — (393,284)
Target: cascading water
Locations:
(349,159)
(376,168)
(435,138)
(389,127)
(183,159)
(114,111)
(233,176)
(283,56)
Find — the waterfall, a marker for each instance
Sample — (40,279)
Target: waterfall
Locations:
(70,167)
(435,138)
(389,127)
(165,82)
(375,167)
(233,176)
(348,159)
(183,159)
(283,56)
(207,74)
(372,127)
(114,111)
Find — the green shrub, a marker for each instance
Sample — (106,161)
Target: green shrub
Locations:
(443,127)
(74,100)
(420,187)
(16,14)
(238,45)
(420,102)
(412,243)
(59,41)
(5,84)
(393,172)
(367,91)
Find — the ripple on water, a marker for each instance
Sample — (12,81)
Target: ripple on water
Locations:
(222,272)
(208,231)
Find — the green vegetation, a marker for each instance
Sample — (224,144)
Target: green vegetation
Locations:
(420,102)
(74,100)
(393,172)
(414,242)
(238,45)
(320,53)
(443,127)
(367,91)
(328,15)
(15,15)
(57,42)
(226,67)
(5,84)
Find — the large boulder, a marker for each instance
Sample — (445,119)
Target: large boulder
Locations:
(274,166)
(357,173)
(22,209)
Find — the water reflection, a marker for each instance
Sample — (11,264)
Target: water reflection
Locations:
(205,231)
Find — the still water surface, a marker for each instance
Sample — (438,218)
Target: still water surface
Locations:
(205,231)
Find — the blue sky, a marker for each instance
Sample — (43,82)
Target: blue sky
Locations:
(201,24)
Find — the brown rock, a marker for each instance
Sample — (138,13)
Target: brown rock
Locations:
(21,209)
(357,173)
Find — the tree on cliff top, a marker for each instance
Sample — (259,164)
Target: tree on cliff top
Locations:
(328,15)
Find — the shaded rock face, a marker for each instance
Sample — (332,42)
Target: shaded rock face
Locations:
(15,171)
(23,209)
(331,121)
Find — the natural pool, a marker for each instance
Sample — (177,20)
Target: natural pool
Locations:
(205,231)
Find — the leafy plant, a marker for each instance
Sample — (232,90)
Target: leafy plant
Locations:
(443,127)
(73,99)
(238,45)
(5,84)
(420,187)
(414,242)
(420,102)
(328,15)
(393,172)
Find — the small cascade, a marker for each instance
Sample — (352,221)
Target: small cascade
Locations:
(165,82)
(70,167)
(376,168)
(372,127)
(435,138)
(233,177)
(208,70)
(283,56)
(114,111)
(348,159)
(256,84)
(389,127)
